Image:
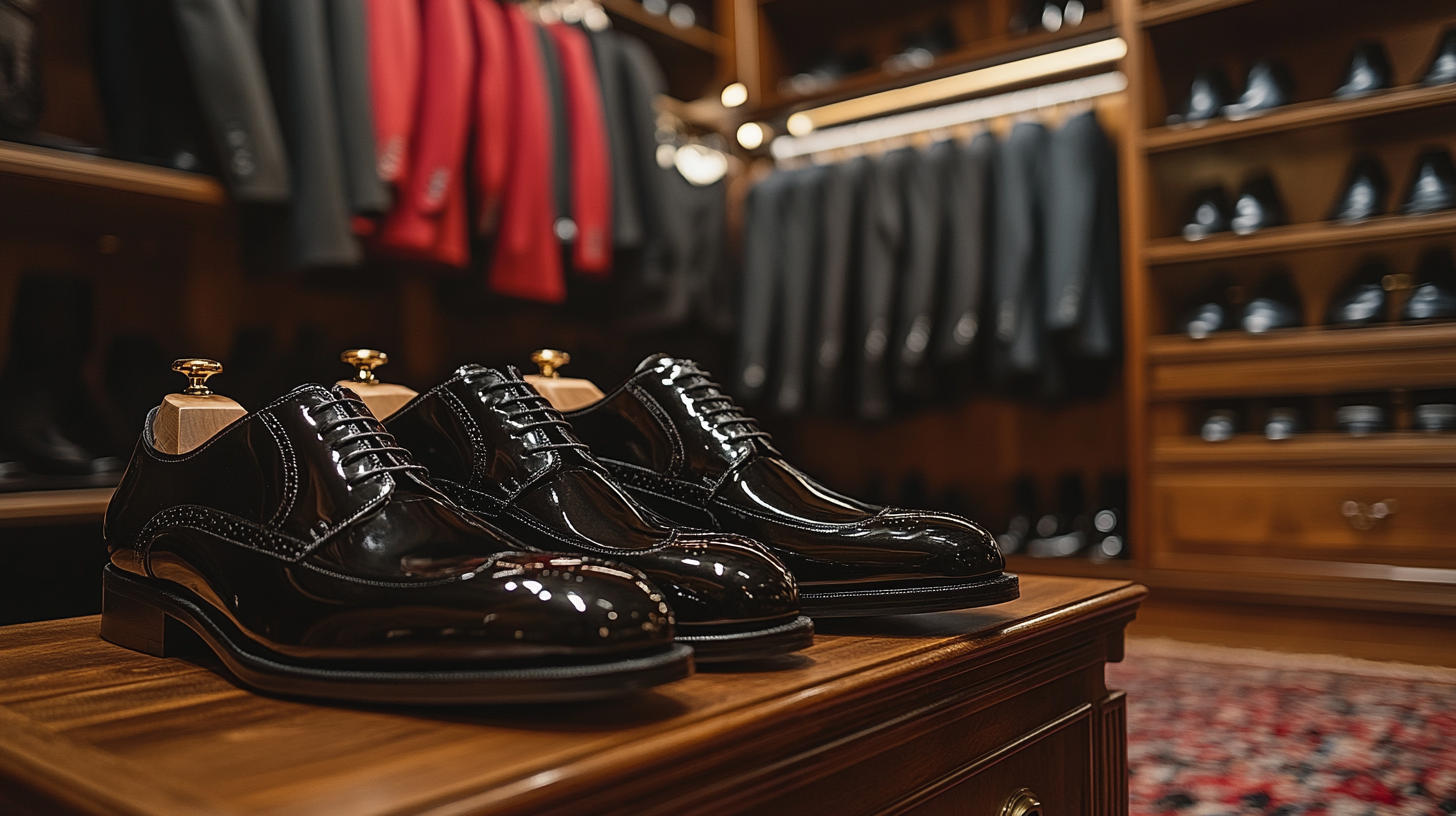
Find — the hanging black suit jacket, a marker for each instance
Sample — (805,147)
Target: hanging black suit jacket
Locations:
(882,233)
(838,278)
(1019,352)
(967,251)
(799,251)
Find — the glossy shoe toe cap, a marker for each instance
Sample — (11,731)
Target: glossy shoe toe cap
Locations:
(950,545)
(720,579)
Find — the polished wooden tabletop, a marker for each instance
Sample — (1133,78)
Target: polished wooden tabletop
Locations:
(93,727)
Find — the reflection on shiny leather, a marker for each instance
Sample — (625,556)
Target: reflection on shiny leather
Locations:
(319,538)
(502,452)
(729,476)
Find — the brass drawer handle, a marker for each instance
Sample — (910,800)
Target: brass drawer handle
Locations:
(1362,516)
(1022,802)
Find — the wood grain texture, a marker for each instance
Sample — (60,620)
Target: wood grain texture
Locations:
(565,393)
(79,505)
(383,399)
(92,728)
(184,422)
(85,171)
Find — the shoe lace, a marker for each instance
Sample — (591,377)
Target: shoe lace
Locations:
(519,394)
(371,439)
(717,407)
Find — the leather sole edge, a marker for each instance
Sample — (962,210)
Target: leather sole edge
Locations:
(736,647)
(860,600)
(136,612)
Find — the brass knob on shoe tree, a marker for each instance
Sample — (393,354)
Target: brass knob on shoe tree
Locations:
(548,360)
(197,370)
(365,361)
(1021,802)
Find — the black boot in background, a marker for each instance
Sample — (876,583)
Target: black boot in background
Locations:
(48,418)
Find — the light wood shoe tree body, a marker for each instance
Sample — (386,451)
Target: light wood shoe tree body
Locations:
(564,393)
(184,421)
(382,398)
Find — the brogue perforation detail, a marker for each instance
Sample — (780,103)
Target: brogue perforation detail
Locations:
(225,526)
(290,470)
(664,423)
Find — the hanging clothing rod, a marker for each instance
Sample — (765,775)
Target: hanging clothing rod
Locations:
(946,116)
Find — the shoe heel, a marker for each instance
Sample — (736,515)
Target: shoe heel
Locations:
(130,621)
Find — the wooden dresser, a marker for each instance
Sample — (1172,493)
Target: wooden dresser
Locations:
(951,713)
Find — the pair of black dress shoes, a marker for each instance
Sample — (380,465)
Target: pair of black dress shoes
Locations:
(1364,300)
(1258,206)
(1267,86)
(1432,188)
(1368,70)
(1275,304)
(479,546)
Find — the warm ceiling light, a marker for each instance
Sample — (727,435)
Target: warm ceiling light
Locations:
(1021,71)
(735,95)
(800,125)
(752,135)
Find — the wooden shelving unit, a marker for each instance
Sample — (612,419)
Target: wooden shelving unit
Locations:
(1169,11)
(1297,237)
(696,36)
(1311,114)
(1251,521)
(994,50)
(97,173)
(53,506)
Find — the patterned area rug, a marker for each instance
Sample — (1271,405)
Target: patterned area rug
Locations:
(1214,731)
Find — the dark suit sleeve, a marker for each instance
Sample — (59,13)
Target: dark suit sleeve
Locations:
(234,94)
(1071,213)
(760,280)
(348,42)
(1017,283)
(843,197)
(800,253)
(967,250)
(882,234)
(626,206)
(923,191)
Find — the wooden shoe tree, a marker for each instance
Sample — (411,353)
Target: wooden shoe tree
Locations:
(382,398)
(186,420)
(564,393)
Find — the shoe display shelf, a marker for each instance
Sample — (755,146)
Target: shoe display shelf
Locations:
(1254,523)
(72,506)
(997,710)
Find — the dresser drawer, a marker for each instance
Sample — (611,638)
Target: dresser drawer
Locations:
(1045,773)
(1398,517)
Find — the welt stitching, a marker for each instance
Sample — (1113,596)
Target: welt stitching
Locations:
(290,469)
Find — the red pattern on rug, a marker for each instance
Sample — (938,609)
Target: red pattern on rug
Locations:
(1213,739)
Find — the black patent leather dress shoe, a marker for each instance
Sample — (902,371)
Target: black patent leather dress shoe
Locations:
(1275,304)
(1363,300)
(1368,72)
(1207,97)
(1434,295)
(1258,206)
(1433,185)
(1209,215)
(1443,65)
(499,449)
(314,557)
(683,448)
(1268,86)
(1212,312)
(1364,192)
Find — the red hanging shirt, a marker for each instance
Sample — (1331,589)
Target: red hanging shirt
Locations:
(492,147)
(394,80)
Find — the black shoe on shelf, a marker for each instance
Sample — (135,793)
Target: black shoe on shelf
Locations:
(1064,533)
(1023,512)
(1109,521)
(1433,296)
(499,449)
(1364,193)
(1257,207)
(1433,184)
(1363,300)
(1434,417)
(1268,86)
(1214,311)
(1275,304)
(1209,214)
(1360,420)
(349,576)
(1207,96)
(1368,72)
(1443,66)
(49,419)
(1219,425)
(1282,423)
(680,446)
